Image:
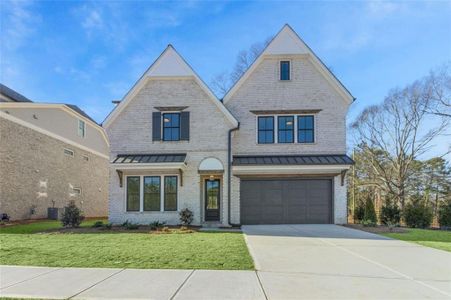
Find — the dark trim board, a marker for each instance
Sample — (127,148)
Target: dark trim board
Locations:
(284,204)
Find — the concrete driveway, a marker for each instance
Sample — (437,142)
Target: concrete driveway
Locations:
(334,262)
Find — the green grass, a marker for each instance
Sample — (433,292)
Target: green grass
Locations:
(199,250)
(439,239)
(40,226)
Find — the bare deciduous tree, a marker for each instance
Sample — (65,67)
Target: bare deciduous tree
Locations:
(222,82)
(400,129)
(439,83)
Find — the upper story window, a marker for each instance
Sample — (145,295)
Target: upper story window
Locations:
(81,128)
(306,129)
(266,130)
(285,132)
(285,70)
(171,127)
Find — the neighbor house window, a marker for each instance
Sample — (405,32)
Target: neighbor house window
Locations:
(306,129)
(170,193)
(285,70)
(152,193)
(171,127)
(68,152)
(85,158)
(265,130)
(81,128)
(133,188)
(76,191)
(285,132)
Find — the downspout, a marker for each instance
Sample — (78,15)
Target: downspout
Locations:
(229,172)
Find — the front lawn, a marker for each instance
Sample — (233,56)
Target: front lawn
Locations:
(439,239)
(27,245)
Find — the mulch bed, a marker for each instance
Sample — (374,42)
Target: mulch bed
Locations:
(377,229)
(121,229)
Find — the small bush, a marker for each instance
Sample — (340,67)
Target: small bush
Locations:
(368,223)
(186,216)
(390,213)
(131,226)
(359,212)
(165,229)
(444,215)
(108,226)
(156,225)
(97,224)
(370,213)
(417,214)
(72,216)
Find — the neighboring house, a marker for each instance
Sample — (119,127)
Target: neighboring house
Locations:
(10,95)
(51,154)
(272,152)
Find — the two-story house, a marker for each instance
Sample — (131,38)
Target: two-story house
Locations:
(272,152)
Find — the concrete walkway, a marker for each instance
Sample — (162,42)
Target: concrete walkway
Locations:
(293,262)
(334,262)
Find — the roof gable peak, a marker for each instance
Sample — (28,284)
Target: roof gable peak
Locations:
(169,63)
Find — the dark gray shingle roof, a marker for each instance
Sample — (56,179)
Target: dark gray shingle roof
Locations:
(10,93)
(149,158)
(255,160)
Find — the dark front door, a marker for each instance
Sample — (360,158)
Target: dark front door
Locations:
(212,200)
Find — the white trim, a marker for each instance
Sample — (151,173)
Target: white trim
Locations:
(148,166)
(288,169)
(148,76)
(50,134)
(327,74)
(59,106)
(141,194)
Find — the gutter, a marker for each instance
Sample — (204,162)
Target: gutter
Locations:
(229,173)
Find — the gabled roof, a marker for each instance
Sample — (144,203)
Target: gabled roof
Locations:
(170,64)
(288,42)
(12,94)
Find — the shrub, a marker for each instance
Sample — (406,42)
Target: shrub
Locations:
(108,226)
(359,212)
(131,226)
(156,225)
(72,216)
(444,215)
(369,214)
(368,223)
(390,213)
(417,214)
(186,216)
(97,224)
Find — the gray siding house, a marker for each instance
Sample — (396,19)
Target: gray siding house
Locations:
(50,154)
(272,152)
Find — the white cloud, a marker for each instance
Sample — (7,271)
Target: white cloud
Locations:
(93,20)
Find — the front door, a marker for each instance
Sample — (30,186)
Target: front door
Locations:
(212,193)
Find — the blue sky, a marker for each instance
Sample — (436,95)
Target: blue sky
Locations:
(89,53)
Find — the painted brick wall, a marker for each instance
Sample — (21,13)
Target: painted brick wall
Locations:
(306,90)
(34,171)
(131,132)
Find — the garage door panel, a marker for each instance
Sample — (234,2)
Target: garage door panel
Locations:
(285,201)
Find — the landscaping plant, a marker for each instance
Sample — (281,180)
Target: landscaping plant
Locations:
(417,214)
(369,216)
(390,213)
(186,217)
(72,216)
(444,215)
(97,224)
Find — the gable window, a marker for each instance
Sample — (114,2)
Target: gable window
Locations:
(285,132)
(81,128)
(285,70)
(170,193)
(133,188)
(306,129)
(152,193)
(171,127)
(266,130)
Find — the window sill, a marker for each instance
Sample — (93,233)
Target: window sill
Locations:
(150,212)
(279,144)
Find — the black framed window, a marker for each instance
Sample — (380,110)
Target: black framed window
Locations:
(285,70)
(171,127)
(285,133)
(265,130)
(306,129)
(170,193)
(133,185)
(152,193)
